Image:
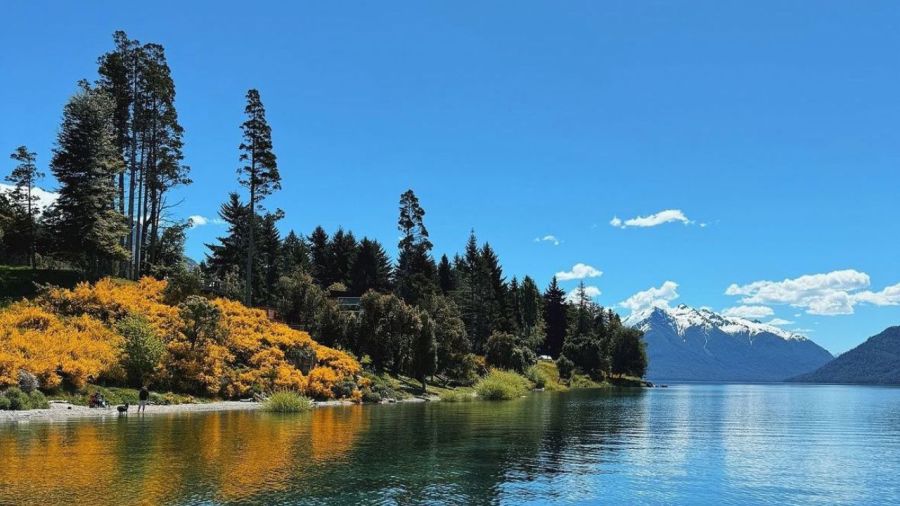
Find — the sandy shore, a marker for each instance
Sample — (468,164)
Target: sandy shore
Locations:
(61,411)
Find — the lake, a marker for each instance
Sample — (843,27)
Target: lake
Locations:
(686,444)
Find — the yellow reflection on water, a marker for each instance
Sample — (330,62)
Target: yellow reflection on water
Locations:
(162,459)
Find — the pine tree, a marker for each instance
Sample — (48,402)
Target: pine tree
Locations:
(515,305)
(259,174)
(23,178)
(148,137)
(319,256)
(498,316)
(341,255)
(371,269)
(555,318)
(270,249)
(86,163)
(475,294)
(532,304)
(415,267)
(446,276)
(229,254)
(294,254)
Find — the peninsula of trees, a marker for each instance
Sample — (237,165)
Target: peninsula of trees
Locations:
(117,158)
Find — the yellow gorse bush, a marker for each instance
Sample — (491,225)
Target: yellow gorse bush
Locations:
(69,336)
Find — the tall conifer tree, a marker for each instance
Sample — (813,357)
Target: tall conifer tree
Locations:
(259,174)
(555,318)
(23,178)
(86,164)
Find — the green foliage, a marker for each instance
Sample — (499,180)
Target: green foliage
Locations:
(371,268)
(583,381)
(388,327)
(507,351)
(143,349)
(549,374)
(565,367)
(628,355)
(23,178)
(556,319)
(423,362)
(87,229)
(181,284)
(201,320)
(287,401)
(416,272)
(371,397)
(119,395)
(18,282)
(457,396)
(14,399)
(259,174)
(502,385)
(452,341)
(148,139)
(589,353)
(536,377)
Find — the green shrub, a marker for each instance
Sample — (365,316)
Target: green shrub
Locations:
(457,396)
(536,377)
(4,403)
(368,396)
(143,348)
(287,401)
(502,385)
(582,381)
(565,367)
(17,399)
(36,400)
(507,351)
(344,389)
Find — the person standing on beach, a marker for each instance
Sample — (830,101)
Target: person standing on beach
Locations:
(143,397)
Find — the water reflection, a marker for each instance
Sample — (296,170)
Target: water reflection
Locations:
(699,444)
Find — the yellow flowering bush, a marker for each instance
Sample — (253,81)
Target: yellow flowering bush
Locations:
(53,348)
(70,336)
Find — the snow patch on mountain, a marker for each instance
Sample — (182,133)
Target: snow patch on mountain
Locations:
(684,317)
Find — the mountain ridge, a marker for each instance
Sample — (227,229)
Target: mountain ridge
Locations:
(687,344)
(876,361)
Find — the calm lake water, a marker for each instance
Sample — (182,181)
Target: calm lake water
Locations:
(687,444)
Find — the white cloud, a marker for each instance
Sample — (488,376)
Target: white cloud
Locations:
(44,198)
(890,296)
(749,312)
(832,293)
(579,271)
(199,221)
(590,290)
(779,322)
(653,220)
(653,297)
(548,238)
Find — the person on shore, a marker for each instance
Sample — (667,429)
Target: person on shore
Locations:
(143,398)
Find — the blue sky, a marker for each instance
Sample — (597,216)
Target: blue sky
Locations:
(770,127)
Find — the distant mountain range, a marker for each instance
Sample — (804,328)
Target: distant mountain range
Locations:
(875,362)
(688,344)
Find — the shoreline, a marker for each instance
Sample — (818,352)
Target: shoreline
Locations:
(61,411)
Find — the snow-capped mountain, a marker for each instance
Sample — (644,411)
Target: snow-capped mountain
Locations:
(684,343)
